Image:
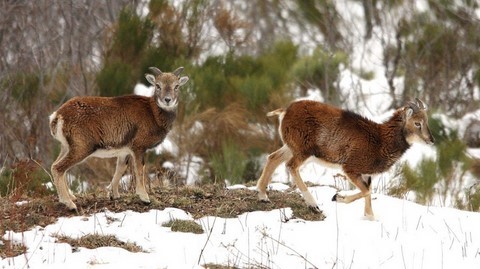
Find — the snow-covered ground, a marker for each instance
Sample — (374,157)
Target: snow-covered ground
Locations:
(404,235)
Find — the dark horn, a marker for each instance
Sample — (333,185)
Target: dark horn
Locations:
(421,105)
(178,71)
(155,71)
(413,106)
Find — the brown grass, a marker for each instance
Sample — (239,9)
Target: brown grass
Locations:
(208,200)
(10,249)
(93,241)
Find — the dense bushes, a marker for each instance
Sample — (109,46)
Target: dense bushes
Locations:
(437,54)
(445,179)
(228,96)
(25,178)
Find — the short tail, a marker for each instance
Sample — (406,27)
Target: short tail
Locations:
(53,123)
(277,112)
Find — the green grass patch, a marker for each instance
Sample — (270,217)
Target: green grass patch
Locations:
(184,226)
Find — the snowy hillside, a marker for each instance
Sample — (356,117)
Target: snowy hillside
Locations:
(405,235)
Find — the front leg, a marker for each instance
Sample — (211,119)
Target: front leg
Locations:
(365,192)
(119,171)
(140,178)
(293,166)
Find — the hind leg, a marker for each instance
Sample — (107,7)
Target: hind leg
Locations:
(58,184)
(273,161)
(59,168)
(64,162)
(64,194)
(293,166)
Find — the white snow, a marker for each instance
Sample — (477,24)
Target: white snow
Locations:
(404,235)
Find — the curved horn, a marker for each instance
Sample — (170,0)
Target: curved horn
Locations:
(421,105)
(178,71)
(155,70)
(413,106)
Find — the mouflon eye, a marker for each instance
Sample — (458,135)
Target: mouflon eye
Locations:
(418,124)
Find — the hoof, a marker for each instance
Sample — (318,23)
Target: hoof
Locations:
(263,197)
(112,196)
(145,200)
(70,205)
(315,208)
(143,195)
(338,198)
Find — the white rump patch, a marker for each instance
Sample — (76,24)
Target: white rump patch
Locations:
(59,129)
(52,116)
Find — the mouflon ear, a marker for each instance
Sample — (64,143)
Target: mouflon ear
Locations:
(150,78)
(182,80)
(408,112)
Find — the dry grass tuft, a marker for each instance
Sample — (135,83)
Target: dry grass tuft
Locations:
(10,249)
(218,266)
(93,241)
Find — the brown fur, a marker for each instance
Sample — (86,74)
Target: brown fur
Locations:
(114,122)
(358,145)
(114,127)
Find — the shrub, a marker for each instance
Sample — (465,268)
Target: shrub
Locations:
(10,249)
(24,178)
(230,163)
(473,198)
(24,88)
(443,176)
(184,226)
(123,59)
(7,183)
(115,79)
(421,179)
(437,55)
(320,70)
